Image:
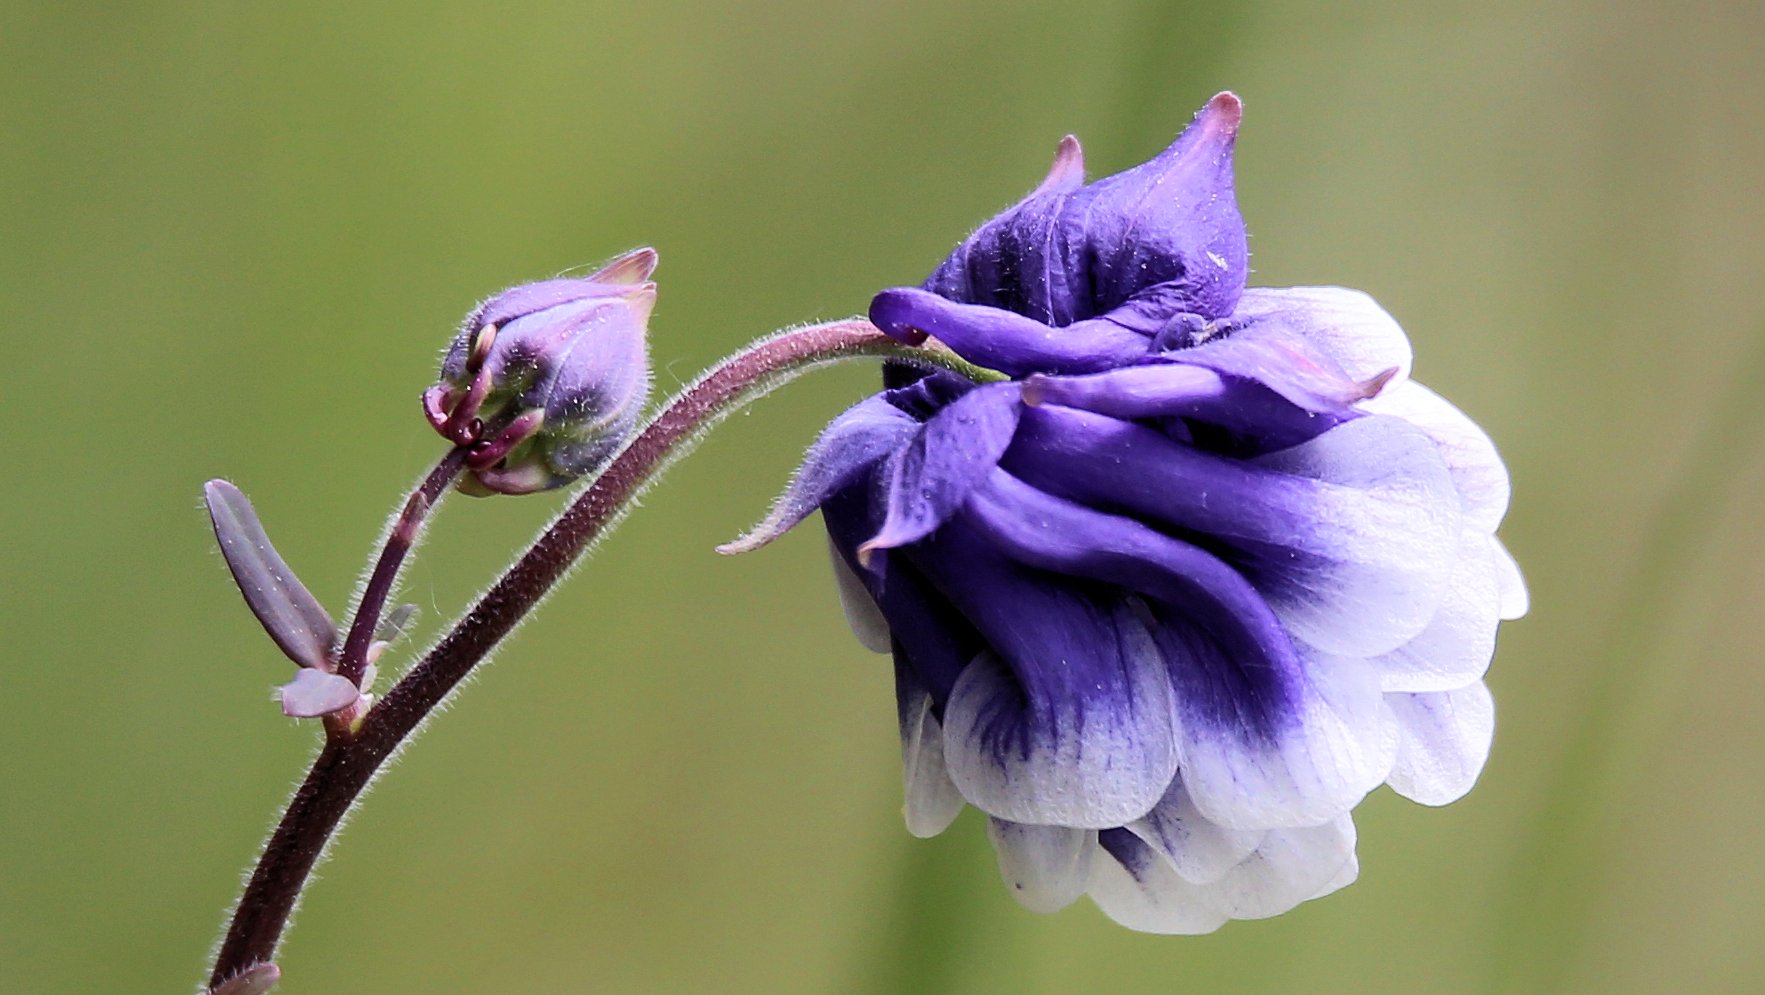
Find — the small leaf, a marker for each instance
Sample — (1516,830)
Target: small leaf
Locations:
(254,980)
(288,611)
(313,693)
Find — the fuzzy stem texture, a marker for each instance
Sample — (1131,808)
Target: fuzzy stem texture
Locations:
(348,762)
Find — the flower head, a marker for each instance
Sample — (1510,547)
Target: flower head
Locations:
(1199,572)
(546,380)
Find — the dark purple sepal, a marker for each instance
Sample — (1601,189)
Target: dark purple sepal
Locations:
(313,693)
(929,478)
(294,619)
(855,442)
(1003,340)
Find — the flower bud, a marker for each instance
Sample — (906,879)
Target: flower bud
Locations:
(546,380)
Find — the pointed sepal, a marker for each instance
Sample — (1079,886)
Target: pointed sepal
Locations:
(291,615)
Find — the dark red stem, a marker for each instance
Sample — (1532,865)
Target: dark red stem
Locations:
(348,762)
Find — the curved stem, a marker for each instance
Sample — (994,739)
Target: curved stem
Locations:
(354,659)
(346,764)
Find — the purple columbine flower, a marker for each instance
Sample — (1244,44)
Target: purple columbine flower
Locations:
(545,381)
(1197,572)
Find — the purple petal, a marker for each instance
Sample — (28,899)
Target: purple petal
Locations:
(313,693)
(1444,742)
(1347,326)
(1002,340)
(1287,365)
(1336,744)
(1188,587)
(854,443)
(1170,225)
(1245,408)
(291,615)
(1139,889)
(931,640)
(930,478)
(1045,867)
(1068,720)
(1351,537)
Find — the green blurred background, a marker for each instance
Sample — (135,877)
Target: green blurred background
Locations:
(234,238)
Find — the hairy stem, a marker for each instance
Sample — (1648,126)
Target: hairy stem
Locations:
(347,763)
(354,659)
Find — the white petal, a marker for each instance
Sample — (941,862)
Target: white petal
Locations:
(1336,745)
(1137,888)
(1344,877)
(1515,602)
(1045,867)
(931,802)
(1196,848)
(1093,762)
(1456,647)
(1291,866)
(1347,325)
(1381,542)
(1477,469)
(862,614)
(1445,742)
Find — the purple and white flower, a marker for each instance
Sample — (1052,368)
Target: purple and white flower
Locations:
(1199,570)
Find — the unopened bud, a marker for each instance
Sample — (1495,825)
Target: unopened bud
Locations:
(546,380)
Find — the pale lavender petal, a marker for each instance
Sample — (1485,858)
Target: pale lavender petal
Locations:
(1197,849)
(1456,647)
(931,801)
(314,692)
(855,442)
(1444,742)
(1514,600)
(1291,367)
(931,477)
(1003,340)
(1346,325)
(1477,469)
(1045,867)
(862,614)
(1139,889)
(1336,744)
(1244,407)
(1289,867)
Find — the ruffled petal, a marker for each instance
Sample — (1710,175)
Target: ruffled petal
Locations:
(1045,867)
(1197,849)
(1346,325)
(1137,888)
(1003,340)
(1456,647)
(1289,867)
(1068,720)
(930,801)
(849,447)
(1478,472)
(1445,739)
(931,477)
(1351,537)
(1335,741)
